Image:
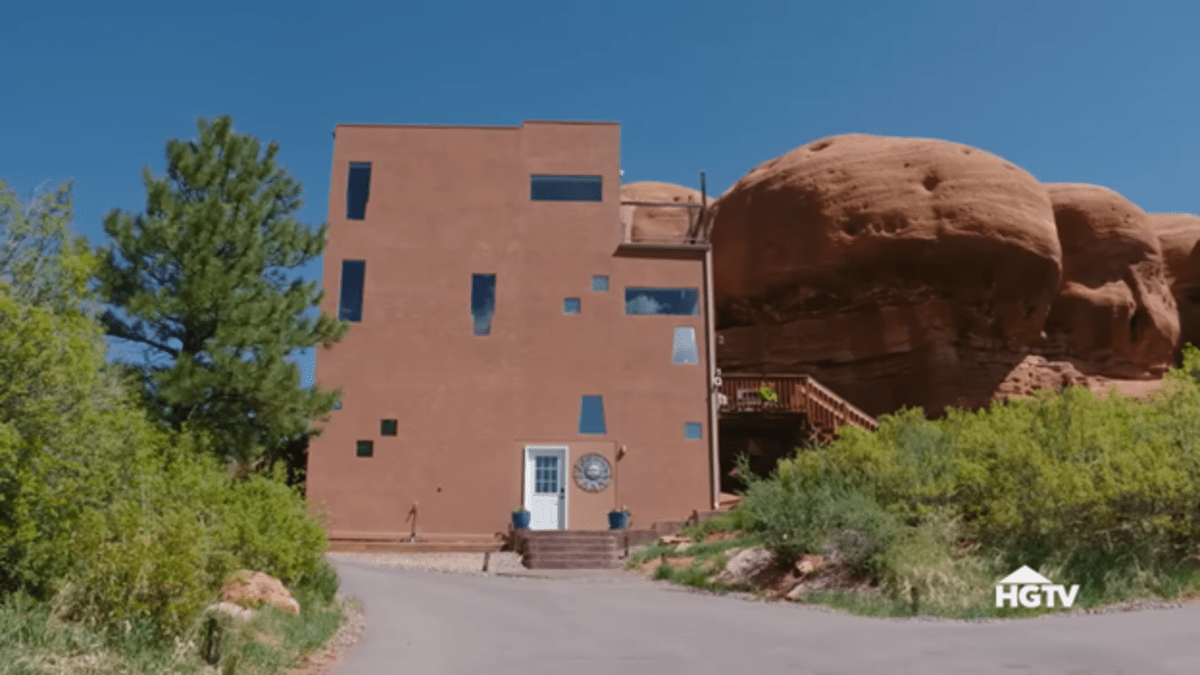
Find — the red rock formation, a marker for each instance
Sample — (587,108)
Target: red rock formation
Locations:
(651,224)
(1179,234)
(898,271)
(1115,314)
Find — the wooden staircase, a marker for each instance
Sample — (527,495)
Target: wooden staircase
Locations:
(569,549)
(592,549)
(824,409)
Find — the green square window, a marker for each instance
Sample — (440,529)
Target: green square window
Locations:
(387,427)
(366,448)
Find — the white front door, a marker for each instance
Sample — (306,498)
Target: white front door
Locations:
(546,486)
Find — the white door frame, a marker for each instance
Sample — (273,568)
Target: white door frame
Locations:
(563,451)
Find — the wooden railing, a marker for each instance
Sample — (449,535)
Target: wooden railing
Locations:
(796,394)
(694,215)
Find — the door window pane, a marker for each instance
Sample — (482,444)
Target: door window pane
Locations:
(545,476)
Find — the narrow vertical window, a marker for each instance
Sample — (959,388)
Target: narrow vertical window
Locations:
(600,283)
(570,305)
(591,415)
(683,348)
(693,431)
(483,302)
(365,448)
(358,190)
(351,303)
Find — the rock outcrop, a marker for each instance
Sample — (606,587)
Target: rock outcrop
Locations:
(1114,314)
(252,589)
(658,224)
(1179,234)
(897,271)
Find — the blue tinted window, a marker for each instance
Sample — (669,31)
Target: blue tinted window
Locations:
(483,302)
(358,189)
(693,431)
(591,415)
(351,303)
(565,188)
(570,305)
(683,350)
(675,301)
(600,283)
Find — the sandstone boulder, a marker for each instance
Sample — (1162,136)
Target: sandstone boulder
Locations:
(1178,235)
(658,224)
(808,564)
(1115,314)
(897,271)
(745,565)
(252,589)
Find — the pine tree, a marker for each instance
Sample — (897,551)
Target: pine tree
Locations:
(202,282)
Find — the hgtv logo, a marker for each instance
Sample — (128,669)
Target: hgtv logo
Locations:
(1029,588)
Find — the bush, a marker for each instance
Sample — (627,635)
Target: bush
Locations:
(1096,488)
(794,517)
(264,524)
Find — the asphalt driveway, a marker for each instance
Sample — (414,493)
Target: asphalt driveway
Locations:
(430,623)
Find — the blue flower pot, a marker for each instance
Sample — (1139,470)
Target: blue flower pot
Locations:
(521,520)
(618,520)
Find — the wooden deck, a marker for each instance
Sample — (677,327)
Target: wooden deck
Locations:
(796,394)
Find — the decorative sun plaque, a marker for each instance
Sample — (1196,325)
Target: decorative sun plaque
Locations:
(593,472)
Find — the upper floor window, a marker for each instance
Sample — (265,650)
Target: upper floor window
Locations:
(483,302)
(683,348)
(358,189)
(672,301)
(591,415)
(546,188)
(350,304)
(600,283)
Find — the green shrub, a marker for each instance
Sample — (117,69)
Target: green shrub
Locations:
(266,527)
(793,517)
(1102,490)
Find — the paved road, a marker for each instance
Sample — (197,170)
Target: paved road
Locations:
(429,623)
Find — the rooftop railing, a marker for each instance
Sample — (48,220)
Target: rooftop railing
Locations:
(685,224)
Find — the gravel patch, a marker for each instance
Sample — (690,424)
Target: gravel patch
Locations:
(457,563)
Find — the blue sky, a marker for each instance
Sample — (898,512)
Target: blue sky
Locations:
(1098,92)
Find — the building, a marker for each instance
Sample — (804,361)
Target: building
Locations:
(511,343)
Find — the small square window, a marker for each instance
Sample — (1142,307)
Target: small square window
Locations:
(366,448)
(570,305)
(693,431)
(338,405)
(387,427)
(600,283)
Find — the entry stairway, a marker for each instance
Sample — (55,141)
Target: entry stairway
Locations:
(591,549)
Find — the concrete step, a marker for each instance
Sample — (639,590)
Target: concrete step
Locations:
(553,534)
(412,547)
(607,551)
(570,563)
(538,544)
